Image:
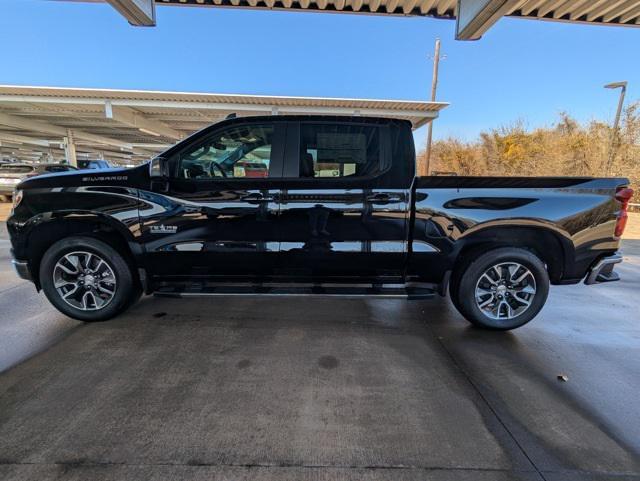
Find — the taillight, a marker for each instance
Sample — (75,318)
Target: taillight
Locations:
(623,195)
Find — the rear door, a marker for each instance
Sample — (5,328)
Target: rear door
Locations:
(344,206)
(218,219)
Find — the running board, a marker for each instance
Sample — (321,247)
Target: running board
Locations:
(195,290)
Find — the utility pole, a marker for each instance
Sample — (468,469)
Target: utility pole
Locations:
(424,169)
(613,144)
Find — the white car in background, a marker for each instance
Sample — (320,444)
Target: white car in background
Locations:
(12,174)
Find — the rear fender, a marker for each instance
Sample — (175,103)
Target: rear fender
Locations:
(553,245)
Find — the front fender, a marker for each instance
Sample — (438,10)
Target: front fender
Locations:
(116,208)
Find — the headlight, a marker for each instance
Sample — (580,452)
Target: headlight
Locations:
(17,198)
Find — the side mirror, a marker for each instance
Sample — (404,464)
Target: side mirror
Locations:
(159,174)
(159,169)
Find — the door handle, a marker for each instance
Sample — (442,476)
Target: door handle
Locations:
(381,198)
(257,198)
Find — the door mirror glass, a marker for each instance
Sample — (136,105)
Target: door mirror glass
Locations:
(159,168)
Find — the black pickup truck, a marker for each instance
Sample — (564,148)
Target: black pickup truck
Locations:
(312,205)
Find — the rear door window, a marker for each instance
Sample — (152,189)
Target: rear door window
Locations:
(339,150)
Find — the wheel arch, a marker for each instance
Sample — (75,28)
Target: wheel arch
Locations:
(49,229)
(553,248)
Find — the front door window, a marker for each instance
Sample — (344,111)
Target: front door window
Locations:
(237,152)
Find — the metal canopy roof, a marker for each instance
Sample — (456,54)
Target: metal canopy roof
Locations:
(474,17)
(625,12)
(132,125)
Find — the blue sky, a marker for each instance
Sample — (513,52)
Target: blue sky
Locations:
(521,69)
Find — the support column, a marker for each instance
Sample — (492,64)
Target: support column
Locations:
(141,13)
(70,149)
(475,17)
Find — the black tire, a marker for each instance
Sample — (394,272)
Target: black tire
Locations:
(468,275)
(126,288)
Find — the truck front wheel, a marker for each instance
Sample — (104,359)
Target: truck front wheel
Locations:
(501,289)
(87,279)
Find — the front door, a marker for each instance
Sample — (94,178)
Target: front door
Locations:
(218,219)
(345,214)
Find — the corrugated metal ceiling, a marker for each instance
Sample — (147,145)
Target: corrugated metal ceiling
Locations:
(615,12)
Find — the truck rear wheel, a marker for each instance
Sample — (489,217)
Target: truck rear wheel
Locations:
(86,279)
(501,289)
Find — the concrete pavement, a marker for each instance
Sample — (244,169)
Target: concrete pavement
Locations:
(312,389)
(28,323)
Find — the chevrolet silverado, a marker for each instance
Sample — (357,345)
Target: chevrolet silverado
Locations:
(312,205)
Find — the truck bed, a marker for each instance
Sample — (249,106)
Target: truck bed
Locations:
(574,216)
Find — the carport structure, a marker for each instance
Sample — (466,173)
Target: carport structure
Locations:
(128,126)
(474,17)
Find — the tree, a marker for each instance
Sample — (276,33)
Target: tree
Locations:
(566,148)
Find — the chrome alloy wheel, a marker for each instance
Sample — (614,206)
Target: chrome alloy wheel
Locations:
(84,280)
(505,290)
